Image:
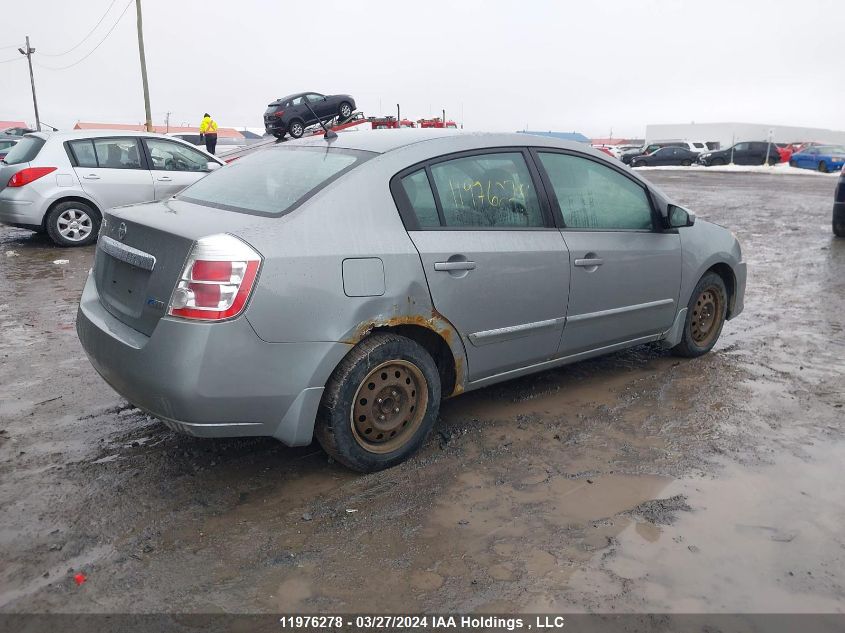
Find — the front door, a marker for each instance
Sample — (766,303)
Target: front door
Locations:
(174,166)
(625,274)
(496,267)
(110,170)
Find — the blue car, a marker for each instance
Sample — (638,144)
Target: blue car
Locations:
(825,158)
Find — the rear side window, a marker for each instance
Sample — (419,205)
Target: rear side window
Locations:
(422,200)
(487,191)
(592,196)
(275,181)
(83,152)
(25,151)
(117,153)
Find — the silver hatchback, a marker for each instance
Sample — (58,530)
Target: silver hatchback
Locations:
(61,183)
(340,288)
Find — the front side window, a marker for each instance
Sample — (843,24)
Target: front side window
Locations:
(741,147)
(117,153)
(592,196)
(167,156)
(273,182)
(487,191)
(314,98)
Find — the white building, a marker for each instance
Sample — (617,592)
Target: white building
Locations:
(727,133)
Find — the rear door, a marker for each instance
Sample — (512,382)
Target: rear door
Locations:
(112,170)
(174,166)
(496,267)
(626,274)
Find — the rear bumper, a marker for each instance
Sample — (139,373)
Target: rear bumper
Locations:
(22,206)
(210,379)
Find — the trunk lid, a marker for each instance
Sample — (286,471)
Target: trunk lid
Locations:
(143,249)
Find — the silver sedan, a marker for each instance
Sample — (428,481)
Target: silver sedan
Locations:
(340,288)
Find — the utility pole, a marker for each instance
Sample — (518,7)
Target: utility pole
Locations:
(149,122)
(28,52)
(167,123)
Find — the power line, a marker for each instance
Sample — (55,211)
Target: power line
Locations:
(91,52)
(9,61)
(70,50)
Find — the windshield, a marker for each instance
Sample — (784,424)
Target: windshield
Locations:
(25,151)
(273,182)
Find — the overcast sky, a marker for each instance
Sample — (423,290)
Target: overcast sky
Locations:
(582,65)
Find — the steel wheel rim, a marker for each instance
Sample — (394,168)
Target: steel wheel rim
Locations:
(389,406)
(74,225)
(706,316)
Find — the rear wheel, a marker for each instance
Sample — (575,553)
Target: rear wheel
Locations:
(706,314)
(792,163)
(686,163)
(839,224)
(823,167)
(296,129)
(380,403)
(345,110)
(73,224)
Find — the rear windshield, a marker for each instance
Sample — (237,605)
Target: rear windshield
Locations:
(273,182)
(25,151)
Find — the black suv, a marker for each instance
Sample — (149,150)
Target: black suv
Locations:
(747,153)
(291,115)
(839,207)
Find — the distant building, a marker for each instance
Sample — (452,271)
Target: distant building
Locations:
(222,132)
(564,136)
(617,141)
(727,133)
(7,124)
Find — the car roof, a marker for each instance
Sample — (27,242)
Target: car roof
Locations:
(73,134)
(442,140)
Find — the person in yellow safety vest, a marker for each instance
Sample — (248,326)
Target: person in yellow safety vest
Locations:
(208,130)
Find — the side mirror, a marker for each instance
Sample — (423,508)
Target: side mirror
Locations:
(680,217)
(212,166)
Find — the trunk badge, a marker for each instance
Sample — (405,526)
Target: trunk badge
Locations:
(121,231)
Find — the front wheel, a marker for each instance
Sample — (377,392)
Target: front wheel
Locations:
(792,163)
(380,403)
(717,162)
(686,163)
(296,129)
(73,224)
(706,314)
(345,111)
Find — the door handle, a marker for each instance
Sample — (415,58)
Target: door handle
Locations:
(91,177)
(165,178)
(589,262)
(465,265)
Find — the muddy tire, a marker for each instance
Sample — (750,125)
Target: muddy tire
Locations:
(380,403)
(73,223)
(296,128)
(823,167)
(706,313)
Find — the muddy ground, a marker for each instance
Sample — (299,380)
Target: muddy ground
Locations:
(635,482)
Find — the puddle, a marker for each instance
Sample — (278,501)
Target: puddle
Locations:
(767,540)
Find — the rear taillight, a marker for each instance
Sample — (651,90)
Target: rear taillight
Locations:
(279,114)
(28,175)
(217,279)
